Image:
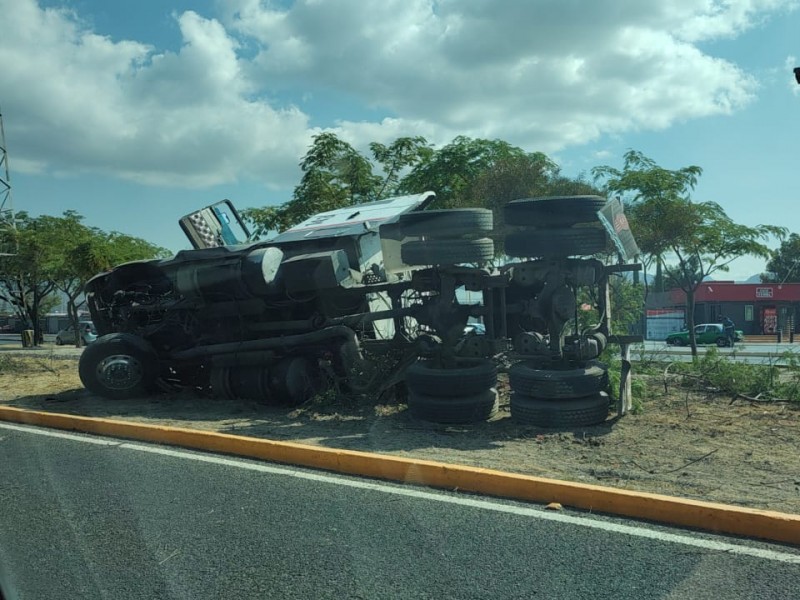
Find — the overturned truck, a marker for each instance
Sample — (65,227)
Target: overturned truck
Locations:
(372,296)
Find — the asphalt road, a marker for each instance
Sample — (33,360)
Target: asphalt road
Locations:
(86,517)
(754,354)
(760,353)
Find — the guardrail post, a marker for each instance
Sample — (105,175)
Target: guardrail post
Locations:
(625,400)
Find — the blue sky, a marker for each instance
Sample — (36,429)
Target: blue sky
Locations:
(136,113)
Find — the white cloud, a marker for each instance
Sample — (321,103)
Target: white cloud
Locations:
(789,65)
(75,101)
(545,75)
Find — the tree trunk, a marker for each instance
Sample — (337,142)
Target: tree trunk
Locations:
(690,321)
(72,312)
(658,284)
(37,327)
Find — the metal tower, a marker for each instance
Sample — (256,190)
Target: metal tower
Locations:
(6,205)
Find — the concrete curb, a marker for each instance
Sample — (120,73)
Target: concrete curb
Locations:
(718,518)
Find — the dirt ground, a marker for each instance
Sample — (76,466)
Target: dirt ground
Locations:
(681,443)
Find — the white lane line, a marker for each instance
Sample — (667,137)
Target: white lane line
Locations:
(537,513)
(78,437)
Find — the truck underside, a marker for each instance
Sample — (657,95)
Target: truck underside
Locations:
(368,297)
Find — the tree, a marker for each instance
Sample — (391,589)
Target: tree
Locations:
(702,240)
(641,181)
(88,251)
(25,279)
(335,175)
(784,264)
(454,171)
(61,254)
(488,174)
(403,153)
(466,172)
(518,175)
(690,240)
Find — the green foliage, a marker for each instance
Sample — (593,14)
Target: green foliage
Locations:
(60,253)
(466,172)
(627,306)
(788,385)
(784,264)
(642,180)
(611,358)
(690,240)
(10,364)
(336,175)
(403,153)
(715,372)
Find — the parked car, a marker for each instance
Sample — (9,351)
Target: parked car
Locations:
(705,333)
(67,335)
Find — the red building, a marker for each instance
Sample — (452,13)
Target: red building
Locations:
(756,308)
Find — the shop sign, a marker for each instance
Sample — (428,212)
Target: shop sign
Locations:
(763,292)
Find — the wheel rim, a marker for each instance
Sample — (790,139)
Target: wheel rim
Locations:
(119,372)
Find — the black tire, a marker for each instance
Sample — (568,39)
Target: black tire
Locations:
(220,381)
(447,252)
(580,241)
(578,412)
(722,342)
(529,379)
(423,377)
(447,223)
(559,211)
(118,366)
(59,341)
(467,409)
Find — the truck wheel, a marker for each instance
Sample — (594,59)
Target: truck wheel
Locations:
(467,409)
(294,380)
(529,379)
(560,211)
(469,377)
(118,366)
(220,381)
(446,223)
(447,252)
(581,241)
(577,412)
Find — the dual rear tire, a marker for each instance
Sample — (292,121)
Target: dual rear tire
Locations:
(562,398)
(465,393)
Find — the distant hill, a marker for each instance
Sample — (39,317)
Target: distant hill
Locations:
(752,279)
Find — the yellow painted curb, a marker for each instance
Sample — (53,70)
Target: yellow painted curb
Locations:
(709,516)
